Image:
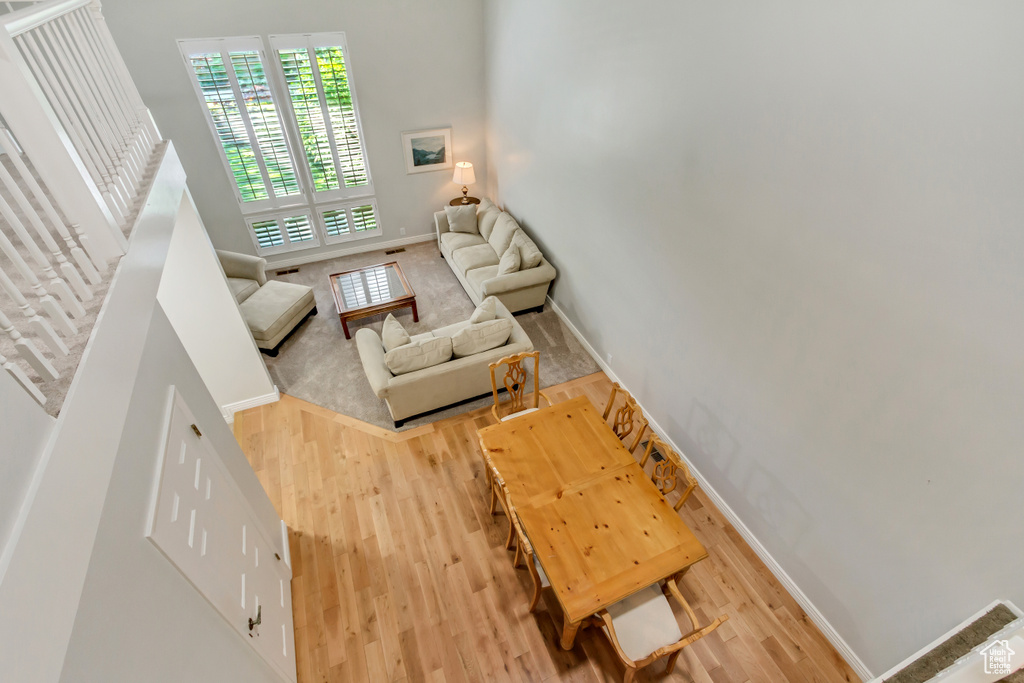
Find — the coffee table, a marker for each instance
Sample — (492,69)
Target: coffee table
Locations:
(368,291)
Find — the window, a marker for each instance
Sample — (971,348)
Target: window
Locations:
(350,221)
(289,135)
(283,232)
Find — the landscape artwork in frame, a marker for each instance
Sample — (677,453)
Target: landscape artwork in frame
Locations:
(428,150)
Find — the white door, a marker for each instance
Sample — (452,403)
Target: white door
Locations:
(203,524)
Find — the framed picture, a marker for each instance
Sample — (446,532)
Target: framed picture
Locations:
(427,150)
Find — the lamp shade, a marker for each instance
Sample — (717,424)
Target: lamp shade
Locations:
(464,174)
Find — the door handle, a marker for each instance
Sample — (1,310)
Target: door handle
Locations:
(253,623)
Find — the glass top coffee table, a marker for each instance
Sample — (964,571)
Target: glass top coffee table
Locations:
(368,291)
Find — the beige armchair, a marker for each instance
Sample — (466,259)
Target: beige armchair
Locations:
(272,309)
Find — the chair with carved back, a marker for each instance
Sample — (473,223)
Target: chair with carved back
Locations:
(628,419)
(499,496)
(514,382)
(524,550)
(670,473)
(642,628)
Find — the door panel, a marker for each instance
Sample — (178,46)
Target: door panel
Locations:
(203,524)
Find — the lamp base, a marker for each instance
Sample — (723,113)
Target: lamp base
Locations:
(463,200)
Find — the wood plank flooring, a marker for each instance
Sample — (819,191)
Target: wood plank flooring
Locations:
(400,573)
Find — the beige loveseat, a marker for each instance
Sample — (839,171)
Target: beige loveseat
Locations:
(474,258)
(421,391)
(271,308)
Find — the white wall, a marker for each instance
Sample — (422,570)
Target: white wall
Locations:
(796,228)
(416,64)
(139,619)
(196,299)
(24,431)
(71,531)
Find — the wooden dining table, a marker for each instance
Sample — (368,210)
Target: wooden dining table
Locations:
(599,527)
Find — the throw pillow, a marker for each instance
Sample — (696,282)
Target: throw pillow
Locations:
(481,337)
(501,235)
(418,355)
(529,252)
(461,218)
(393,334)
(485,311)
(485,220)
(510,261)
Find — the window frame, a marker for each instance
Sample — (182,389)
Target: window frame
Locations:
(348,206)
(225,46)
(311,41)
(280,216)
(308,201)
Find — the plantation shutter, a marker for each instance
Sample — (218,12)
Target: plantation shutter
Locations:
(231,80)
(323,105)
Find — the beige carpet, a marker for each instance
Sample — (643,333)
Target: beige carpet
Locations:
(319,365)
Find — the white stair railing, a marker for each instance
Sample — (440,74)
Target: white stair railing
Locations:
(88,260)
(39,325)
(76,143)
(85,83)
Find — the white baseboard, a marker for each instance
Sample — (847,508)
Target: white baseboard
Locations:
(229,410)
(774,567)
(346,251)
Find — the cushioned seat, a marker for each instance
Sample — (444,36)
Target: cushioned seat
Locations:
(454,241)
(478,276)
(520,288)
(544,582)
(519,414)
(272,309)
(450,330)
(242,288)
(470,258)
(644,622)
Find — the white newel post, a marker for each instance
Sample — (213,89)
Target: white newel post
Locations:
(42,137)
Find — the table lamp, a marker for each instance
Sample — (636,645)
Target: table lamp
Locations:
(464,176)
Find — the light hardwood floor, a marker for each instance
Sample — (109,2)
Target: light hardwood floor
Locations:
(400,573)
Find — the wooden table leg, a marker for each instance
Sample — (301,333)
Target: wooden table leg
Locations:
(415,313)
(569,630)
(344,326)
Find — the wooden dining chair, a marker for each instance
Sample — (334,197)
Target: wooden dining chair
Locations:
(499,496)
(642,628)
(524,550)
(628,419)
(514,382)
(671,473)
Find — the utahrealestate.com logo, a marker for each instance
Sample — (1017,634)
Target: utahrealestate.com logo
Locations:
(997,658)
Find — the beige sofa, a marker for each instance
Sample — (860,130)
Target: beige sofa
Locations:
(456,380)
(271,308)
(474,257)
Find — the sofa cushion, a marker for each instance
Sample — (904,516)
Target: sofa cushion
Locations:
(485,311)
(453,241)
(478,276)
(510,261)
(478,256)
(273,306)
(501,236)
(461,218)
(528,250)
(480,337)
(242,288)
(423,337)
(393,334)
(486,214)
(418,355)
(450,330)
